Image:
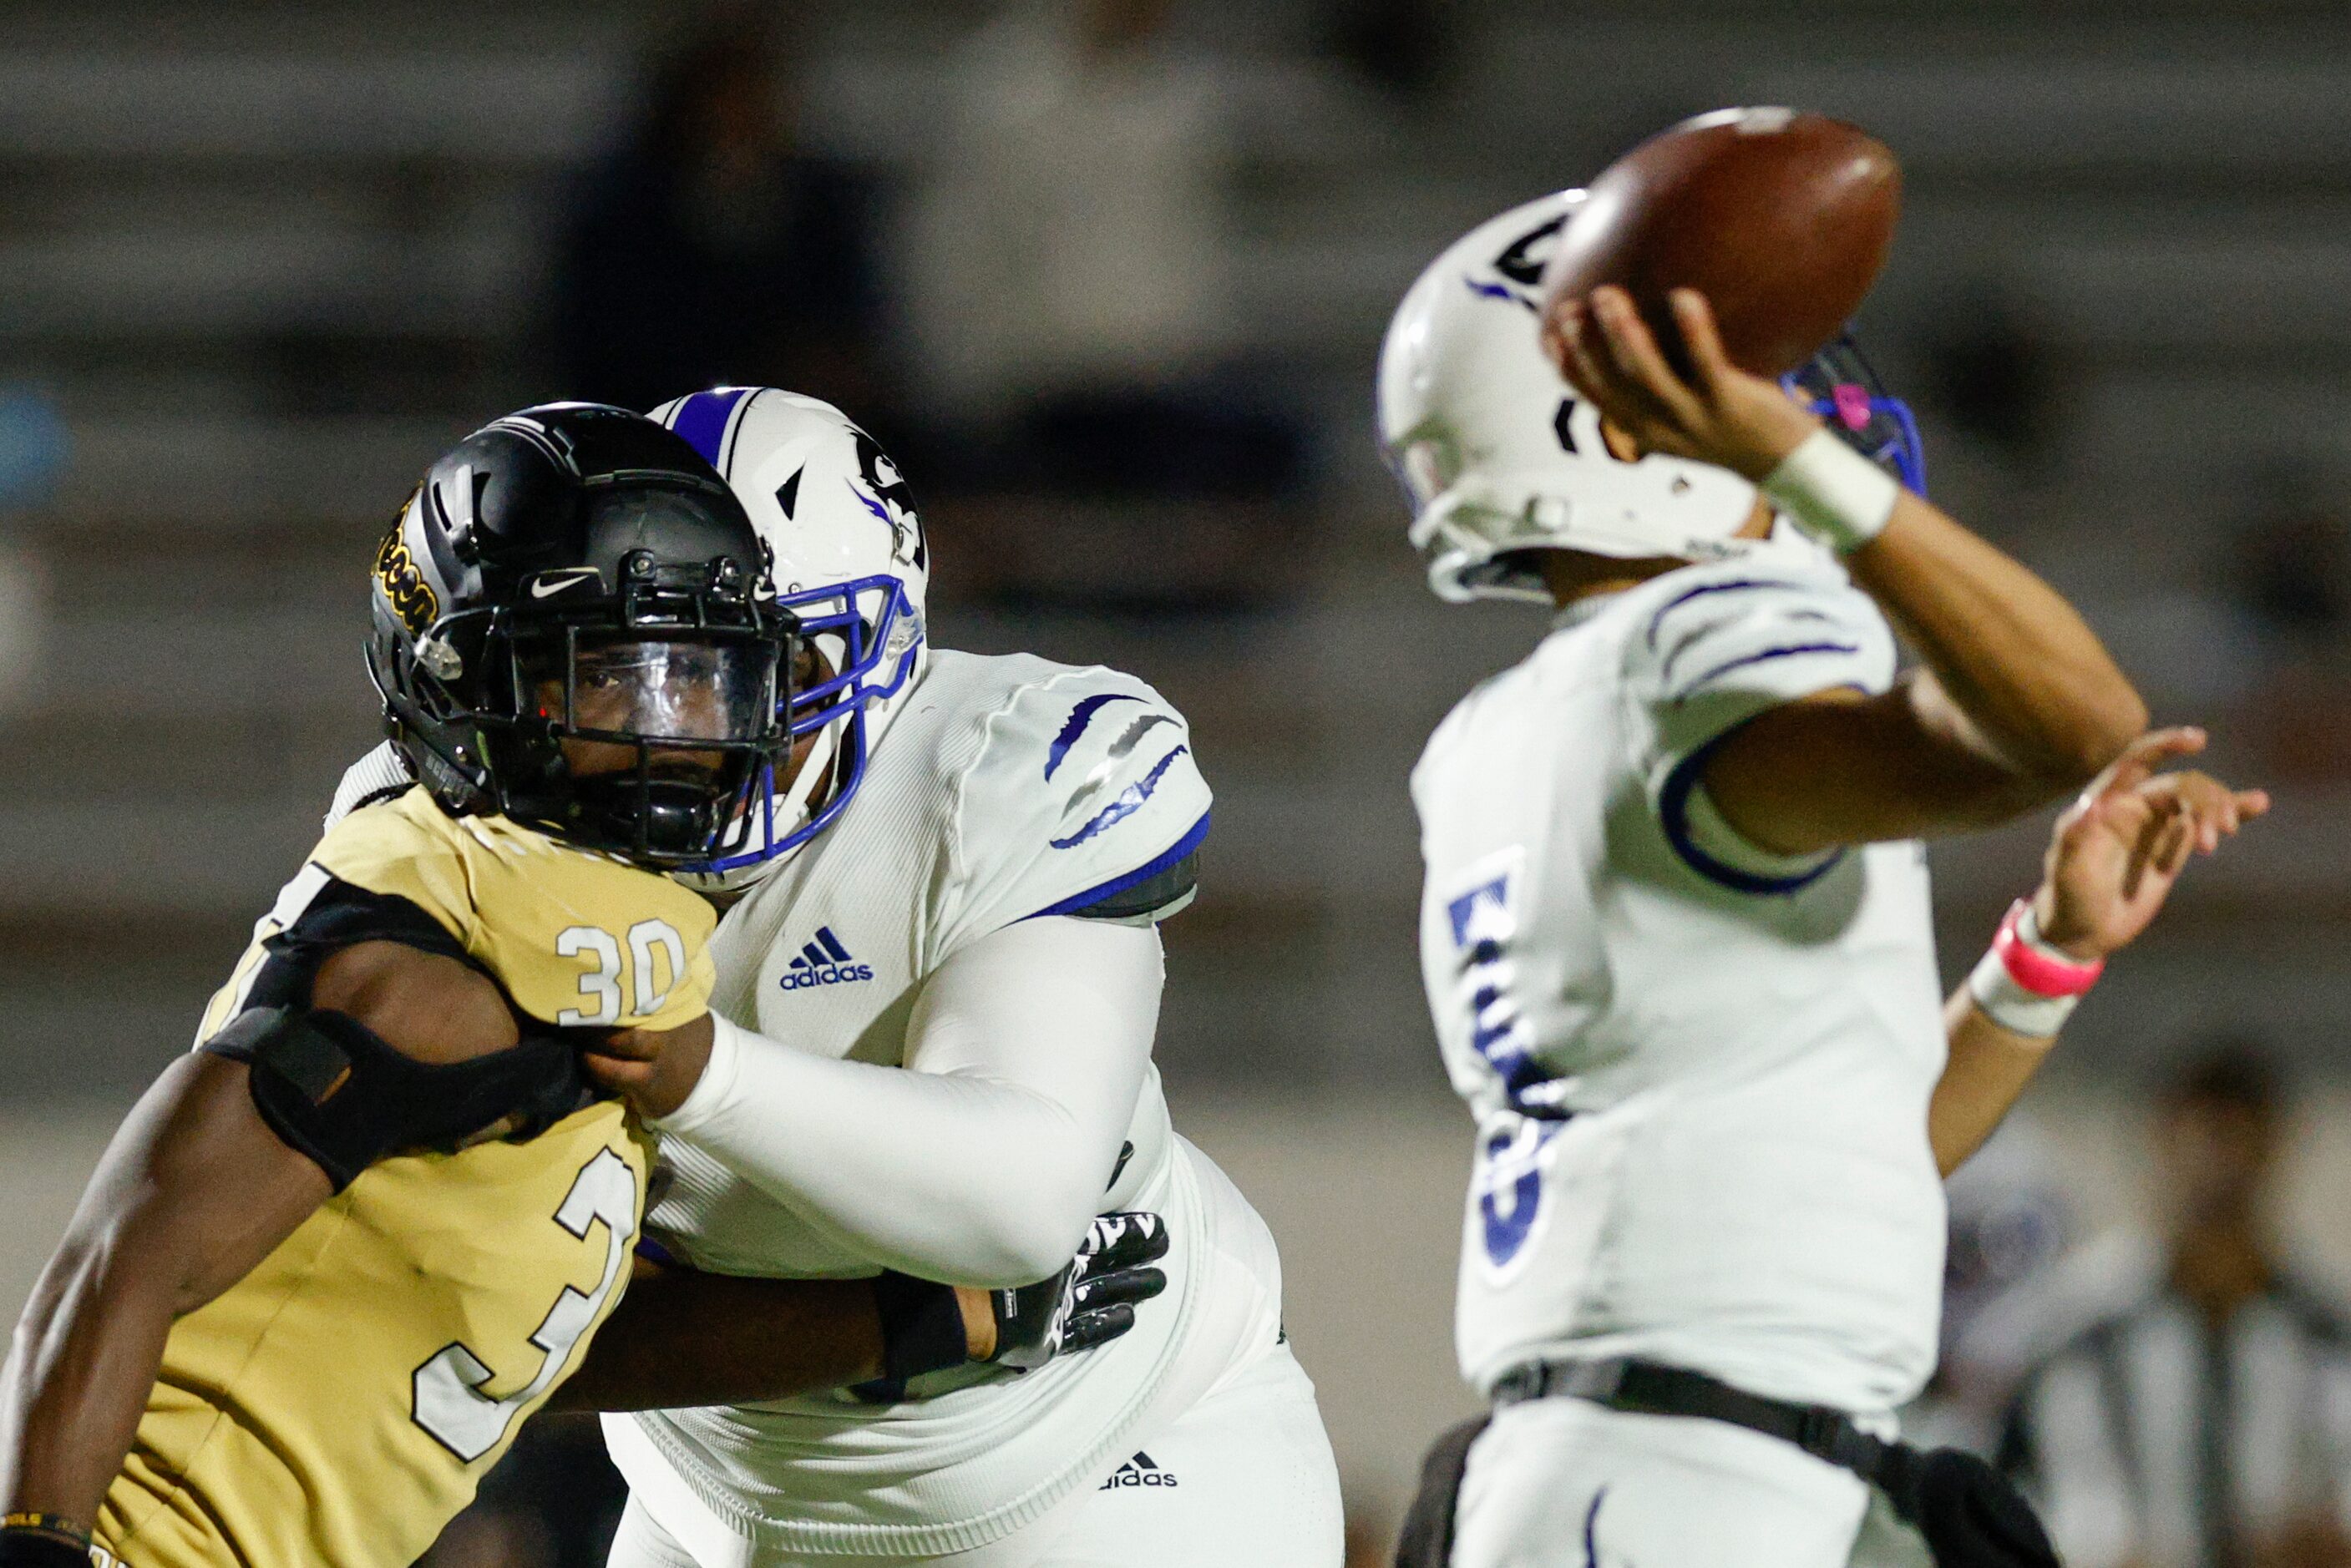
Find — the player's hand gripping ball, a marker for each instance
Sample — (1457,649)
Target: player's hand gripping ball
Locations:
(1781,219)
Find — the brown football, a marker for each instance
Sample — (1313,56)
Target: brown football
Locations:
(1781,219)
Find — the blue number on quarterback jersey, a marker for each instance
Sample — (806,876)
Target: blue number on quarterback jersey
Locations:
(1483,920)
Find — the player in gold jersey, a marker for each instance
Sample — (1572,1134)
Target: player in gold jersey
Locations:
(337,1255)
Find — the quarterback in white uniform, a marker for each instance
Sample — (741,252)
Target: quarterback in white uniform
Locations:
(938,987)
(1675,931)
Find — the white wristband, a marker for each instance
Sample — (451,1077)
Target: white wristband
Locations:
(714,1087)
(2013,1008)
(1831,492)
(2007,1000)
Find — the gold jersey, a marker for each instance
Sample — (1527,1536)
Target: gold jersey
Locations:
(339,1403)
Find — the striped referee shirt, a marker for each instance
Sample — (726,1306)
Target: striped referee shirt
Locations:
(2153,1439)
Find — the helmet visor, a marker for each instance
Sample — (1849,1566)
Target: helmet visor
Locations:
(627,688)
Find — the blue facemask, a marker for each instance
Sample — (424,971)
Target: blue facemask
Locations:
(1840,387)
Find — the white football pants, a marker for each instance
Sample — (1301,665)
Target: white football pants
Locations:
(1565,1483)
(1243,1479)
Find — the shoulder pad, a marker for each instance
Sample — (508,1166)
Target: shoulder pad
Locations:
(385,848)
(572,936)
(379,775)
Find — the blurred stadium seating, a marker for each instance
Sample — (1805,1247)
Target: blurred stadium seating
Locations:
(265,261)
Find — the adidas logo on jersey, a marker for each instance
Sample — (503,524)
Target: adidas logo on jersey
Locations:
(823,961)
(1139,1471)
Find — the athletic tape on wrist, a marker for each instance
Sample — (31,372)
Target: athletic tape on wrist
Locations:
(2023,984)
(1831,492)
(922,1326)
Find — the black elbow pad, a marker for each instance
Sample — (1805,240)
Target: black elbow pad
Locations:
(1154,898)
(339,1094)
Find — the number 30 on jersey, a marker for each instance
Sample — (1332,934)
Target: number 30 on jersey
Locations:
(654,964)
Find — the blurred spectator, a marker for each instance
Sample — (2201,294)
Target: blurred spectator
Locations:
(1071,260)
(2206,1423)
(712,247)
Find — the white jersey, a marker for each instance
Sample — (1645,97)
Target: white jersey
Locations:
(1005,788)
(1700,1072)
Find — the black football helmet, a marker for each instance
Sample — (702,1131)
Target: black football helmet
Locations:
(574,628)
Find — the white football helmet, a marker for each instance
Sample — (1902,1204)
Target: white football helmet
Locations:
(850,560)
(1498,452)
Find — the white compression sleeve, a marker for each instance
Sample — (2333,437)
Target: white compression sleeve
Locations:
(982,1160)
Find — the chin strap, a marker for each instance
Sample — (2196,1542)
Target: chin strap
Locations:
(786,812)
(795,808)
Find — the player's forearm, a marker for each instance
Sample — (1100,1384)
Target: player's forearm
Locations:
(682,1338)
(948,1176)
(194,1191)
(84,1359)
(1987,1072)
(2015,659)
(980,1162)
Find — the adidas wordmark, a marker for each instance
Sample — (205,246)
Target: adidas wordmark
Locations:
(823,961)
(1139,1471)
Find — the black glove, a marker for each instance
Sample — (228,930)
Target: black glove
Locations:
(1088,1303)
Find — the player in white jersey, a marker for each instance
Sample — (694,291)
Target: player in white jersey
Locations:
(1676,932)
(938,986)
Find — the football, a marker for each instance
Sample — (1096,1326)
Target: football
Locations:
(1781,219)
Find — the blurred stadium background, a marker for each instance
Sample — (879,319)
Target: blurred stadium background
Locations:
(1109,276)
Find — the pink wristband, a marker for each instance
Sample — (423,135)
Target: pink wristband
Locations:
(2034,965)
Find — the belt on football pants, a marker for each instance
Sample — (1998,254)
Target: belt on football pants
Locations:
(1645,1387)
(1970,1515)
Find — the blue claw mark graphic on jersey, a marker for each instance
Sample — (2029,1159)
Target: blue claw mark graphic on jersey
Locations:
(1134,734)
(1143,873)
(1080,717)
(1592,1531)
(1786,650)
(1130,801)
(1732,586)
